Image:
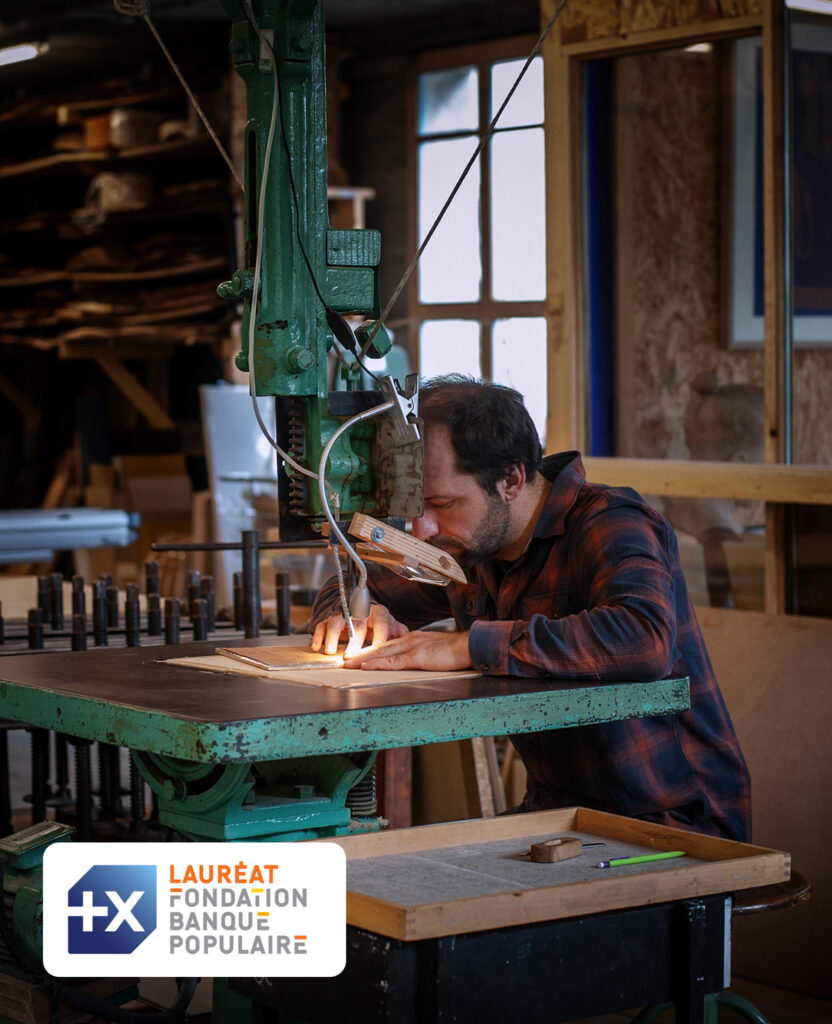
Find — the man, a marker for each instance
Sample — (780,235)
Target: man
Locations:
(566,579)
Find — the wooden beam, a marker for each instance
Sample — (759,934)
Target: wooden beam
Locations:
(395,786)
(135,392)
(28,410)
(775,567)
(564,422)
(775,312)
(61,479)
(742,481)
(499,49)
(662,38)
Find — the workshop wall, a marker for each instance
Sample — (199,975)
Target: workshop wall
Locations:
(773,672)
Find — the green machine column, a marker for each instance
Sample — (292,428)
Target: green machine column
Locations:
(305,266)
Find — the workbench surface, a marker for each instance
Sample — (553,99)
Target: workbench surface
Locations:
(129,697)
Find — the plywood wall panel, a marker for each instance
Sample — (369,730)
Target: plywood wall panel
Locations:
(669,224)
(585,20)
(812,416)
(669,229)
(774,675)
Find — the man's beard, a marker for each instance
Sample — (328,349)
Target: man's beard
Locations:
(487,540)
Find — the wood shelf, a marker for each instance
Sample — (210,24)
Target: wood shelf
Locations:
(114,276)
(163,210)
(65,112)
(82,160)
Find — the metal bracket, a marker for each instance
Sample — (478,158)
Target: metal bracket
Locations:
(405,407)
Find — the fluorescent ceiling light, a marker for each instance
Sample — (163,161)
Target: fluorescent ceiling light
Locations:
(24,51)
(811,6)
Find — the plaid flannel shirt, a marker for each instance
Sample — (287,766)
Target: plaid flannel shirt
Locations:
(598,594)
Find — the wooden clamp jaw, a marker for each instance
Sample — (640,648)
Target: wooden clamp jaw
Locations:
(403,553)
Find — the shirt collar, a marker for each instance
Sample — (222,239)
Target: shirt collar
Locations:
(566,471)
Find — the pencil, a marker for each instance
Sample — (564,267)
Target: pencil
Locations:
(620,861)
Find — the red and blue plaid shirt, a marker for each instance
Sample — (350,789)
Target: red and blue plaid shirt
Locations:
(598,594)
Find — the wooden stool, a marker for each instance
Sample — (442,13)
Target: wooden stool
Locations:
(763,898)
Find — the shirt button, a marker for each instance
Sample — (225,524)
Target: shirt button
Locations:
(469,604)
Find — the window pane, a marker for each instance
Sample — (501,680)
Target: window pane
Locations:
(669,180)
(526,105)
(448,101)
(519,360)
(449,346)
(450,267)
(518,225)
(811,240)
(725,568)
(745,326)
(655,170)
(811,288)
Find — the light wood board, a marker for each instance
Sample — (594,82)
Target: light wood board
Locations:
(338,678)
(421,883)
(281,656)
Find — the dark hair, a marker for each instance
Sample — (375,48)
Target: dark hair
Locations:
(489,426)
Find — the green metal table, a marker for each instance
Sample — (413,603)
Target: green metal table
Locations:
(249,757)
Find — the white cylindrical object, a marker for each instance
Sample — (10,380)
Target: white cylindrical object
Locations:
(64,529)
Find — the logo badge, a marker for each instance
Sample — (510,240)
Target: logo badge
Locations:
(210,910)
(111,908)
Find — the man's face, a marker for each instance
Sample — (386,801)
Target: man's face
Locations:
(460,517)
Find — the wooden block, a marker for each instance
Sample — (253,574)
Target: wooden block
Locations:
(97,131)
(554,850)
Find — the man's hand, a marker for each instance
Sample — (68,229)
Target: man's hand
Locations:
(380,623)
(433,651)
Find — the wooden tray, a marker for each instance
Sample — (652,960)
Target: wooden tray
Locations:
(469,876)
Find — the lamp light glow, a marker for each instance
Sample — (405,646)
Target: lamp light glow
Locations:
(21,52)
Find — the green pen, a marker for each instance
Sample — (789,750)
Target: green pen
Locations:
(620,861)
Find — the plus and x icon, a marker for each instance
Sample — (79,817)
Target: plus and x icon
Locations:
(88,910)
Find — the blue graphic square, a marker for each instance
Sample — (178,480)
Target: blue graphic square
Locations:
(112,908)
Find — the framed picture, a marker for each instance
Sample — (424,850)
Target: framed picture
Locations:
(811,188)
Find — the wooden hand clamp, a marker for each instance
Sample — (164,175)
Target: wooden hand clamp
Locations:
(403,553)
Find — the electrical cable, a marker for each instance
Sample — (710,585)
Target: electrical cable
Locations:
(489,131)
(258,263)
(360,417)
(141,8)
(341,330)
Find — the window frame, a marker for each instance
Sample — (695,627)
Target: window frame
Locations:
(486,311)
(776,482)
